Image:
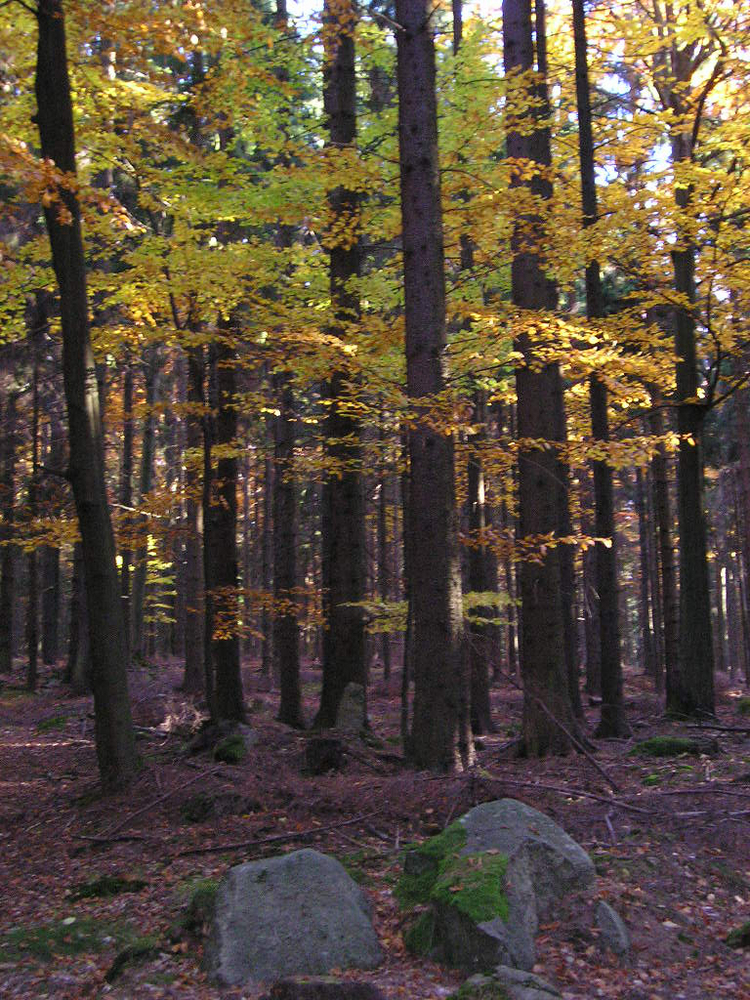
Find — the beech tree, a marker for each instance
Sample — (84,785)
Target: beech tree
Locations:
(115,743)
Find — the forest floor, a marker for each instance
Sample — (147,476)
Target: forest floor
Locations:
(671,845)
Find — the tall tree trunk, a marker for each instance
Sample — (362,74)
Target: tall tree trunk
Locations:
(266,653)
(482,579)
(78,668)
(285,622)
(384,575)
(51,554)
(546,691)
(670,605)
(645,598)
(440,739)
(36,323)
(612,722)
(695,692)
(343,524)
(8,550)
(193,679)
(115,742)
(223,512)
(153,364)
(126,489)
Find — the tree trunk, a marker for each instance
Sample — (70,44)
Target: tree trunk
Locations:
(343,524)
(126,489)
(36,324)
(54,459)
(612,722)
(384,575)
(648,650)
(543,666)
(670,606)
(153,363)
(285,622)
(193,680)
(115,742)
(8,550)
(223,512)
(440,740)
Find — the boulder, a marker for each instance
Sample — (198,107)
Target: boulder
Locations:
(328,988)
(295,914)
(505,983)
(351,713)
(613,934)
(488,879)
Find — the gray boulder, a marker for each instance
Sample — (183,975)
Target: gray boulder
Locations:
(613,934)
(297,914)
(351,713)
(488,880)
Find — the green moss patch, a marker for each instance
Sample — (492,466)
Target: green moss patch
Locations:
(419,937)
(230,750)
(198,912)
(422,865)
(51,723)
(106,886)
(141,950)
(743,706)
(739,937)
(198,808)
(482,988)
(70,936)
(671,746)
(475,885)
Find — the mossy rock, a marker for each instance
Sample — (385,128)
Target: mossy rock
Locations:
(231,750)
(422,865)
(481,988)
(106,886)
(739,937)
(743,706)
(141,950)
(419,937)
(199,911)
(70,936)
(674,746)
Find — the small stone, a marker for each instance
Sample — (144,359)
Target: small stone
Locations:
(614,933)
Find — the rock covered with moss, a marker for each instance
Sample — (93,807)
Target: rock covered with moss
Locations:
(506,983)
(486,881)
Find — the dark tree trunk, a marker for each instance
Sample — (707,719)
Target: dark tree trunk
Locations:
(407,668)
(8,550)
(266,654)
(657,606)
(670,606)
(695,691)
(78,669)
(153,364)
(384,575)
(126,489)
(193,680)
(209,399)
(115,742)
(55,456)
(285,622)
(36,323)
(223,512)
(343,524)
(648,648)
(482,579)
(612,721)
(546,690)
(441,740)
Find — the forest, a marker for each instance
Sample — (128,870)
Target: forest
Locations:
(374,444)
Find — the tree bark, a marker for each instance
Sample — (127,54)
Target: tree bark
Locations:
(193,679)
(545,680)
(612,722)
(439,739)
(223,513)
(343,523)
(8,550)
(285,620)
(115,742)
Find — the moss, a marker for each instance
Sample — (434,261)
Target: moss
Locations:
(106,886)
(70,936)
(669,746)
(197,808)
(739,937)
(437,872)
(419,937)
(475,885)
(51,723)
(230,750)
(743,706)
(140,950)
(651,779)
(198,912)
